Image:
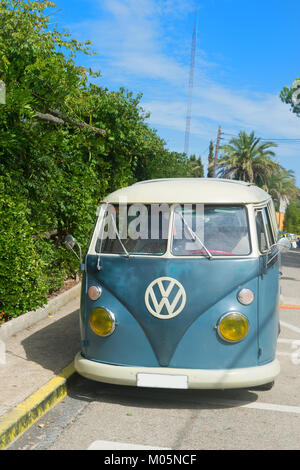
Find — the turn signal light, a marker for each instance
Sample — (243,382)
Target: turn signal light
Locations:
(94,292)
(245,296)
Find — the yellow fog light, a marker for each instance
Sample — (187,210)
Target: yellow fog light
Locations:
(233,327)
(102,321)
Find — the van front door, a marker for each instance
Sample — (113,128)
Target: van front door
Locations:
(268,294)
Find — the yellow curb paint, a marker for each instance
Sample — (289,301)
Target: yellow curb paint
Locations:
(20,418)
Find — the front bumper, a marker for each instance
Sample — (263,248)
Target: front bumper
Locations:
(196,378)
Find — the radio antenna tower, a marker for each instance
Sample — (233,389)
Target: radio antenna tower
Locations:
(191,86)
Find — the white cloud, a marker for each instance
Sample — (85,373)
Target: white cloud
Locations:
(131,39)
(212,104)
(264,113)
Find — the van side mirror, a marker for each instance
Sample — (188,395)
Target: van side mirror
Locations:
(70,242)
(283,245)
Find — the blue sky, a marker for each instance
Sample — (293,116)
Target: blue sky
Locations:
(246,52)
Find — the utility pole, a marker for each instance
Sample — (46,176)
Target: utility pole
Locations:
(210,168)
(217,151)
(191,85)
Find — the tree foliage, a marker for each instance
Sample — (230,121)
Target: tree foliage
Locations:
(248,159)
(291,96)
(282,186)
(292,218)
(196,167)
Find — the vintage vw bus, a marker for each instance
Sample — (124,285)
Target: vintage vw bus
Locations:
(181,287)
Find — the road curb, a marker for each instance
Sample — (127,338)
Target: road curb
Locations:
(26,413)
(30,318)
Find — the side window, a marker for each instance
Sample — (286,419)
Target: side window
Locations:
(265,233)
(268,227)
(273,219)
(261,233)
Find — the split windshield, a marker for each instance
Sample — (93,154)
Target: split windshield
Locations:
(196,230)
(134,229)
(221,231)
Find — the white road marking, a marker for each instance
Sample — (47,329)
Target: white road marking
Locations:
(273,407)
(289,341)
(109,445)
(290,327)
(257,405)
(278,353)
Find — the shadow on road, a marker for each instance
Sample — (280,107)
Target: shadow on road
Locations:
(54,346)
(90,391)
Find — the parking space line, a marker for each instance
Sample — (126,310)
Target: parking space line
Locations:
(273,407)
(256,405)
(109,445)
(288,341)
(291,327)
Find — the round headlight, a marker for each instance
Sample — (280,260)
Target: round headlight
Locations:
(233,327)
(245,296)
(102,321)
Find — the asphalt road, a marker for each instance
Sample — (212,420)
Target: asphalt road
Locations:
(290,279)
(96,416)
(291,258)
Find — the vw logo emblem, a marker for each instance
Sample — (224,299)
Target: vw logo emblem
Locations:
(165,292)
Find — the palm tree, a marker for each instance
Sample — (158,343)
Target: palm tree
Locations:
(246,158)
(282,186)
(283,183)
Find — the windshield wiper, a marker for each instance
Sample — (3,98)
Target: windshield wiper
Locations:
(195,236)
(118,236)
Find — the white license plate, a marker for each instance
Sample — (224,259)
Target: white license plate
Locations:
(162,381)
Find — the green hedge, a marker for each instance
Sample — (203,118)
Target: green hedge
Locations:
(23,283)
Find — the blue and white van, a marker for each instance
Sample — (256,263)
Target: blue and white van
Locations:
(180,287)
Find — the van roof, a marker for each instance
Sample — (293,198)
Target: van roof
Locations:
(189,191)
